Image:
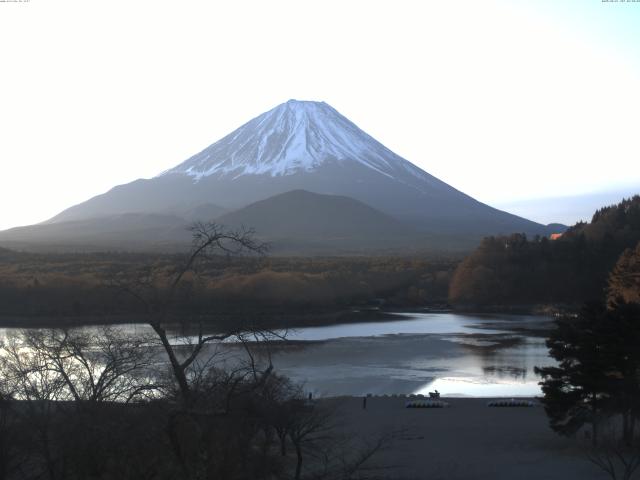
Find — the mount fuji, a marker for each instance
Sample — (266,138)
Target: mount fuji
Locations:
(297,146)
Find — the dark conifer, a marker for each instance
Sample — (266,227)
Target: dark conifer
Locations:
(576,391)
(598,372)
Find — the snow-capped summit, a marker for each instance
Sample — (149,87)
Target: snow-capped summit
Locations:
(308,146)
(296,136)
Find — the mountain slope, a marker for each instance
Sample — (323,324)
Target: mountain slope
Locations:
(294,222)
(310,220)
(293,138)
(130,231)
(308,146)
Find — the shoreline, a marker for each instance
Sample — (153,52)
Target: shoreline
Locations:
(276,320)
(269,321)
(420,397)
(553,310)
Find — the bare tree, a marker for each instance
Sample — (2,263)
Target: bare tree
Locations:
(308,426)
(11,457)
(323,450)
(27,376)
(618,458)
(89,365)
(207,239)
(43,369)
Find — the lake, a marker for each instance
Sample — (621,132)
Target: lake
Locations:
(456,354)
(459,355)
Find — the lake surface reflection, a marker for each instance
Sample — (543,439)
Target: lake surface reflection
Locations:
(459,355)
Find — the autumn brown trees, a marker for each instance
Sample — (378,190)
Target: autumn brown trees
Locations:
(624,280)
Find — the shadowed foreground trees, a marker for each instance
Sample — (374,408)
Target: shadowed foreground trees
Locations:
(615,457)
(597,379)
(102,366)
(597,382)
(158,298)
(575,390)
(63,389)
(56,423)
(95,405)
(598,375)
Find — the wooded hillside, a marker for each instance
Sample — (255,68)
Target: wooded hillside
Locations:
(516,270)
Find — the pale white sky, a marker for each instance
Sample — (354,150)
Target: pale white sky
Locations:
(505,100)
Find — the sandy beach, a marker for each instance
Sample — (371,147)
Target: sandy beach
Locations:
(467,440)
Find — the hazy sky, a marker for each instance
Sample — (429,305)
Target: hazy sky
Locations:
(504,100)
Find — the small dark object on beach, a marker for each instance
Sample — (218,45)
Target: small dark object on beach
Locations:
(511,403)
(426,404)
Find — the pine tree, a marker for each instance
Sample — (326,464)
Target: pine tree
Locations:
(576,391)
(598,372)
(620,339)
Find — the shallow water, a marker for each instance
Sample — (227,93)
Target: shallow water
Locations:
(458,355)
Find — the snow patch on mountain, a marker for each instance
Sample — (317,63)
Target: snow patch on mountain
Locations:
(296,136)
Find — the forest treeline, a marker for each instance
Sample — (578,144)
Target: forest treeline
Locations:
(81,287)
(575,268)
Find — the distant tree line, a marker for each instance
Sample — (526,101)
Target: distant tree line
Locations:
(77,288)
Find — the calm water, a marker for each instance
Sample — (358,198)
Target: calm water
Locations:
(459,355)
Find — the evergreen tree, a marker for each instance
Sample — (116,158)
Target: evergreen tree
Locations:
(598,372)
(620,339)
(576,391)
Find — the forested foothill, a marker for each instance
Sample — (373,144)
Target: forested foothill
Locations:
(506,272)
(519,271)
(48,289)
